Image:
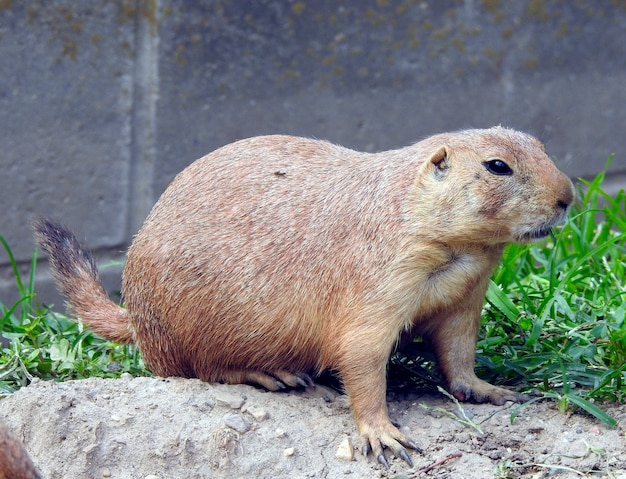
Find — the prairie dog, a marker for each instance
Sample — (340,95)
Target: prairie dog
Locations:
(14,460)
(277,257)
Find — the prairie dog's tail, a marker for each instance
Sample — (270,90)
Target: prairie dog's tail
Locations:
(77,278)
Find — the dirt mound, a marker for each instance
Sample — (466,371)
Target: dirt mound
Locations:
(173,428)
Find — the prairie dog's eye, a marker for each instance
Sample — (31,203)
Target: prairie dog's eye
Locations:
(498,167)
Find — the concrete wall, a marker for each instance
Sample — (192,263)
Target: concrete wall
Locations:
(103,102)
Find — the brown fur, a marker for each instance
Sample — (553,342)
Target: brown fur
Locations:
(14,460)
(277,256)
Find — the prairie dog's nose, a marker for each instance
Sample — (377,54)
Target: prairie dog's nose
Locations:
(567,194)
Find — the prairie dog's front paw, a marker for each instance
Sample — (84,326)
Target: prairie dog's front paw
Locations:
(387,435)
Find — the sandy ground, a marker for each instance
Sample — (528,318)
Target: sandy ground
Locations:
(153,428)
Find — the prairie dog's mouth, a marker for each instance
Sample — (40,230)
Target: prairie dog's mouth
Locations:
(537,234)
(542,231)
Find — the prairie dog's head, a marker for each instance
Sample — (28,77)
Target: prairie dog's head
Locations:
(492,186)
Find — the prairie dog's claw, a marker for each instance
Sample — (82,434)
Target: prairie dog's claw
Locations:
(309,381)
(301,382)
(305,380)
(366,449)
(389,437)
(415,447)
(293,379)
(405,457)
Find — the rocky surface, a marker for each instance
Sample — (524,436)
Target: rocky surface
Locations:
(153,428)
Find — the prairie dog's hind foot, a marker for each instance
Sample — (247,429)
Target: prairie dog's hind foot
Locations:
(294,380)
(270,380)
(481,391)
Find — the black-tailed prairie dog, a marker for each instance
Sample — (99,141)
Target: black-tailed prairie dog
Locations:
(277,257)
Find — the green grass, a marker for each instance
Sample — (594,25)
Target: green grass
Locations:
(553,322)
(49,345)
(555,313)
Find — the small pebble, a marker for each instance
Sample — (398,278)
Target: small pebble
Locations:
(237,422)
(89,448)
(280,433)
(106,473)
(345,451)
(578,449)
(233,401)
(290,451)
(151,476)
(258,413)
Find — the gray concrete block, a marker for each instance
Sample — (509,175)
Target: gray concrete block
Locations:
(384,74)
(65,100)
(101,104)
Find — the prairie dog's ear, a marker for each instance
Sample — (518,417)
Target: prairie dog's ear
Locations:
(441,159)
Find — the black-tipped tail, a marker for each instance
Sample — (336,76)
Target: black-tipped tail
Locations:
(77,278)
